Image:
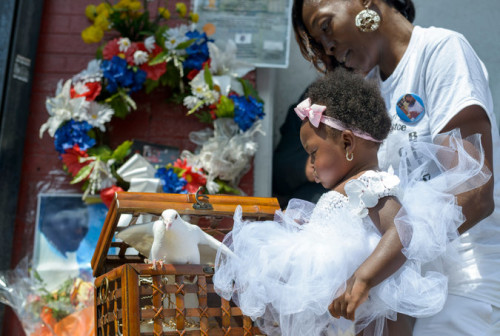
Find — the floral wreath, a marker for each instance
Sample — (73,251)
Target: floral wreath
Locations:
(145,53)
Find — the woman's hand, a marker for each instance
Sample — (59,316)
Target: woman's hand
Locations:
(355,294)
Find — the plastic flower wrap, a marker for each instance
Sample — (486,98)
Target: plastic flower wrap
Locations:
(68,310)
(144,52)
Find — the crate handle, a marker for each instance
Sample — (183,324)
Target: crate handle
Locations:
(202,202)
(208,270)
(104,289)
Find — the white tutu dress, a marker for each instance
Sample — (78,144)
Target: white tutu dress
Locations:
(286,272)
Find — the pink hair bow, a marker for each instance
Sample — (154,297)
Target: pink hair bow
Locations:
(313,112)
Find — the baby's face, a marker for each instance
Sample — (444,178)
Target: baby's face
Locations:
(327,155)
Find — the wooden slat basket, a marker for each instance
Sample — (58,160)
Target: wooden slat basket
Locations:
(132,298)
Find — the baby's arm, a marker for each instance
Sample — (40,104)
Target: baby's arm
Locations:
(386,259)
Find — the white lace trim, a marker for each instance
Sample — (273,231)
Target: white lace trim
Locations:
(362,193)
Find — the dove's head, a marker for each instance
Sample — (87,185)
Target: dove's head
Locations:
(168,217)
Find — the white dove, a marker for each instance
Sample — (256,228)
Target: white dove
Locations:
(172,240)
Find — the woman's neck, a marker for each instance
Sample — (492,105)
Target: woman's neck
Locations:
(396,32)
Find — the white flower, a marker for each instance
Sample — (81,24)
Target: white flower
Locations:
(140,57)
(98,114)
(62,108)
(226,69)
(149,43)
(123,44)
(201,90)
(191,101)
(225,152)
(93,73)
(80,88)
(175,36)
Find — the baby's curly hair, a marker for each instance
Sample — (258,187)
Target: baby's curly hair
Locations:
(352,100)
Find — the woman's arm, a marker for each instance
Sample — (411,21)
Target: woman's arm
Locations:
(386,259)
(478,203)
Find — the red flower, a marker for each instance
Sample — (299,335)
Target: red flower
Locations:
(192,74)
(108,194)
(194,179)
(94,89)
(71,158)
(153,72)
(111,49)
(129,54)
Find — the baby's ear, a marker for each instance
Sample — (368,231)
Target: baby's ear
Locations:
(348,139)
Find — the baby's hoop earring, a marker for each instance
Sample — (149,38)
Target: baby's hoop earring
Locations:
(349,157)
(367,20)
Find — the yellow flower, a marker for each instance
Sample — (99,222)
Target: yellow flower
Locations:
(102,22)
(194,17)
(122,4)
(90,12)
(164,12)
(92,34)
(104,9)
(135,5)
(181,9)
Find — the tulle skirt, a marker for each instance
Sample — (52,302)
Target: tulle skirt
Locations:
(284,273)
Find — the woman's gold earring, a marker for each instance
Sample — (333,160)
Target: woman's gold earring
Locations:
(349,157)
(367,20)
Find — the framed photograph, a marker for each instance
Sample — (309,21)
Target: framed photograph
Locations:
(156,154)
(66,235)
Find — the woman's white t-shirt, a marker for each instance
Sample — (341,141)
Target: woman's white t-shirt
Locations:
(441,68)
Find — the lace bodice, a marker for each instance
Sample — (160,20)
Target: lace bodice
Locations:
(362,193)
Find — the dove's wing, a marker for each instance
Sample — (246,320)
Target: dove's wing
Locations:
(208,247)
(138,236)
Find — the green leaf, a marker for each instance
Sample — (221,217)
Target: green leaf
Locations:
(172,77)
(205,117)
(122,151)
(160,35)
(160,58)
(185,44)
(208,77)
(129,101)
(118,105)
(151,85)
(193,110)
(101,152)
(249,90)
(225,188)
(177,97)
(225,108)
(83,173)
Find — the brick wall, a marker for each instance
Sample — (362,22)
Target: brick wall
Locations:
(61,54)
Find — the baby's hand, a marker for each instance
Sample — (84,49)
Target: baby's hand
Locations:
(346,304)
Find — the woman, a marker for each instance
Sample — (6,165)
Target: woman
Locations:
(441,71)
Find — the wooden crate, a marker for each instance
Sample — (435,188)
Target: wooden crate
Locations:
(132,298)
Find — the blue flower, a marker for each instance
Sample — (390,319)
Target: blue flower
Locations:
(198,51)
(246,111)
(170,181)
(119,74)
(73,133)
